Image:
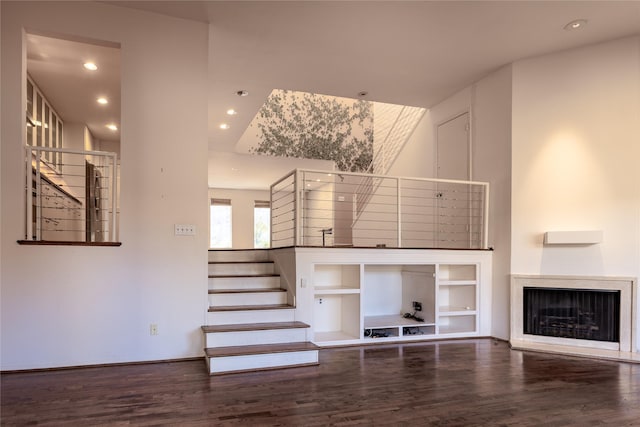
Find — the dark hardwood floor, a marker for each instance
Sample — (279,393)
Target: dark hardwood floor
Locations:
(455,383)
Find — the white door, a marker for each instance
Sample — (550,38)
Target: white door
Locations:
(452,154)
(453,148)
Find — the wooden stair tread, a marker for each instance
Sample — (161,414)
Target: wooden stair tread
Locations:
(226,276)
(248,350)
(251,307)
(241,262)
(241,327)
(245,291)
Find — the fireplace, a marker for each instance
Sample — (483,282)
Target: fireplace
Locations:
(578,315)
(572,313)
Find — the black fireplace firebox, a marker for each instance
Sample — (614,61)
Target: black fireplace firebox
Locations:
(572,313)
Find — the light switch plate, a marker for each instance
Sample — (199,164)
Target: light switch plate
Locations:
(185,230)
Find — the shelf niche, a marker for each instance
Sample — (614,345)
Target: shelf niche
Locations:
(388,294)
(336,305)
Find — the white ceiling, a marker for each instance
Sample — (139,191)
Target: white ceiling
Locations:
(412,53)
(402,52)
(56,66)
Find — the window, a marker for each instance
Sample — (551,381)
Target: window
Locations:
(261,224)
(220,228)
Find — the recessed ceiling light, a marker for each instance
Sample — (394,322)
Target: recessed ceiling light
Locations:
(224,126)
(576,24)
(231,112)
(90,66)
(363,93)
(242,93)
(112,127)
(102,100)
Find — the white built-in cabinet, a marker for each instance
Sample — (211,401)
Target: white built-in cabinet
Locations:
(44,126)
(357,302)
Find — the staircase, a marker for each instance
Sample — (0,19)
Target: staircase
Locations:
(250,325)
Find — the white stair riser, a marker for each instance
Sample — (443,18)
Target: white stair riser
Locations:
(244,282)
(261,361)
(259,298)
(250,316)
(271,336)
(240,269)
(225,256)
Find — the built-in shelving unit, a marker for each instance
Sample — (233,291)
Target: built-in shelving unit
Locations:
(337,302)
(359,302)
(388,297)
(457,298)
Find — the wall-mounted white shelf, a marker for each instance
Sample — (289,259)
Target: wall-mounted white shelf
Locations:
(585,237)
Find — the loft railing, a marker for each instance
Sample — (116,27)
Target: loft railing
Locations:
(320,208)
(71,195)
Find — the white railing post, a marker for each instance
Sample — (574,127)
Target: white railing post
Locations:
(399,208)
(38,197)
(29,193)
(298,209)
(114,193)
(485,243)
(271,216)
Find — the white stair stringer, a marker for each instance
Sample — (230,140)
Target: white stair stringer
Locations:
(250,326)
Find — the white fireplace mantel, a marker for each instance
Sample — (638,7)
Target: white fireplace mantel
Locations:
(626,349)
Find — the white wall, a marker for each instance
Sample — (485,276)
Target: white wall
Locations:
(74,135)
(575,154)
(70,305)
(576,145)
(89,142)
(491,162)
(242,204)
(416,157)
(112,146)
(489,102)
(318,214)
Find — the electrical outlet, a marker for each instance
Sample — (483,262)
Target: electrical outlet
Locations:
(153,329)
(417,306)
(185,230)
